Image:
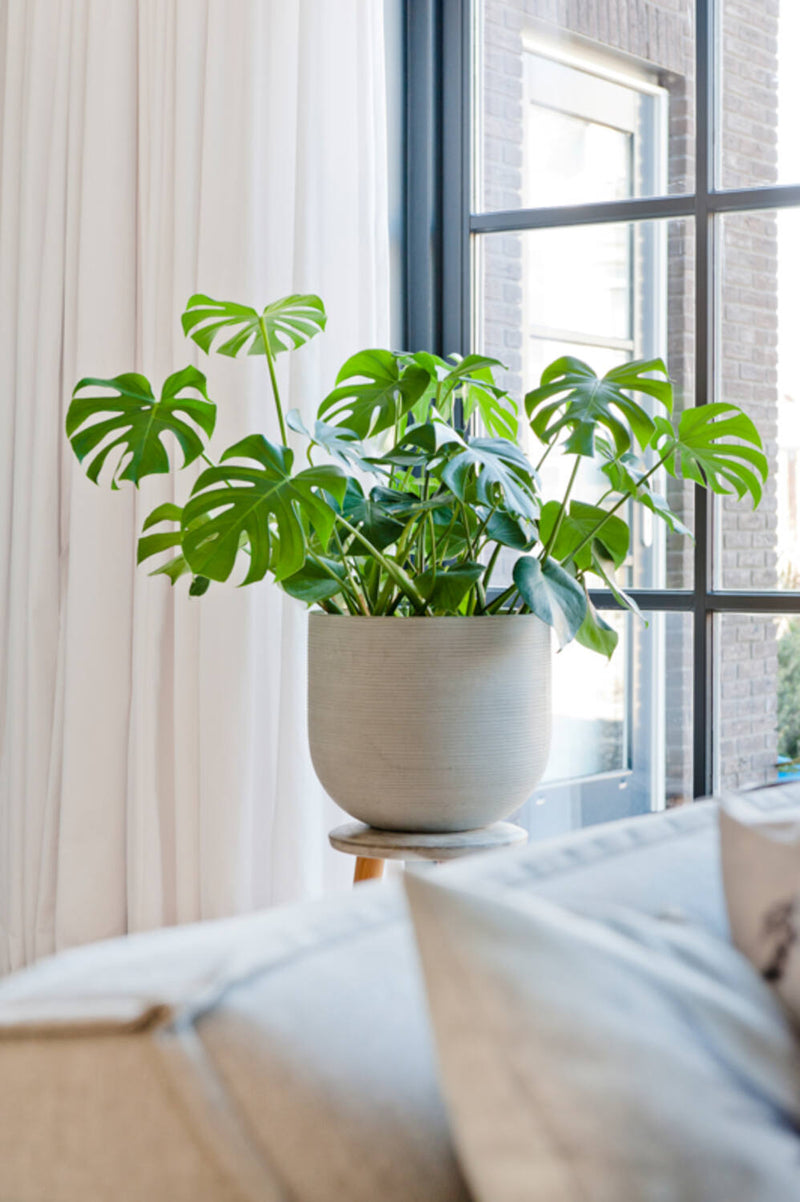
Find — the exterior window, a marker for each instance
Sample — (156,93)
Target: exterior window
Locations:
(583,137)
(623,181)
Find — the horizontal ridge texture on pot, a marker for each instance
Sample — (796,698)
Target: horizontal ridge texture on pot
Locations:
(429,724)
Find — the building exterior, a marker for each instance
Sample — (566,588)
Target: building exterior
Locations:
(587,100)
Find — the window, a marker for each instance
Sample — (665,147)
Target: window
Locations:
(618,181)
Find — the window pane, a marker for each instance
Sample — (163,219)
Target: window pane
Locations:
(757,700)
(622,729)
(606,294)
(758,369)
(578,280)
(760,138)
(590,733)
(589,105)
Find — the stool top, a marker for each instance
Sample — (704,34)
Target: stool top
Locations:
(357,839)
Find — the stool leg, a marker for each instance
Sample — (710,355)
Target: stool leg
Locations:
(367,869)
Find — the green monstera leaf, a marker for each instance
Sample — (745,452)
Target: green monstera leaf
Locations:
(421,445)
(496,410)
(469,379)
(154,544)
(282,326)
(596,634)
(337,441)
(603,567)
(573,399)
(628,475)
(445,588)
(576,533)
(260,503)
(317,580)
(374,391)
(702,450)
(126,419)
(499,472)
(552,594)
(369,516)
(510,531)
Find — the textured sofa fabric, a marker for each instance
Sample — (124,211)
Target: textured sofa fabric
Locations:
(291,1047)
(284,1056)
(618,1057)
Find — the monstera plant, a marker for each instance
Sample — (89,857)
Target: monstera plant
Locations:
(416,476)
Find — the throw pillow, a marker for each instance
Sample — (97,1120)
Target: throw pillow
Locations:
(761,878)
(622,1059)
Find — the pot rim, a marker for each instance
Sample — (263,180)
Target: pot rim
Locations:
(317,614)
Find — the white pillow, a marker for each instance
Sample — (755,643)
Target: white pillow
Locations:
(623,1060)
(761,878)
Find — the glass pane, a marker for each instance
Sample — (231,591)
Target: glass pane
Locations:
(578,280)
(590,734)
(757,702)
(759,370)
(622,729)
(575,158)
(760,137)
(587,105)
(605,294)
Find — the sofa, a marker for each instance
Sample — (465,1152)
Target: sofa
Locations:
(287,1056)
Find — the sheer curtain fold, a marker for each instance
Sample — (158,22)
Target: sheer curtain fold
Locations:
(153,762)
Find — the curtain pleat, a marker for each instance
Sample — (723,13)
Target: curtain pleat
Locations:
(153,751)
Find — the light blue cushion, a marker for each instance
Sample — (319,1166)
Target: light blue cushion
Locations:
(612,1058)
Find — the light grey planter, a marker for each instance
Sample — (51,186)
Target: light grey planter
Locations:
(429,724)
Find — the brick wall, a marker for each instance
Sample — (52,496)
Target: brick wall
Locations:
(660,34)
(747,694)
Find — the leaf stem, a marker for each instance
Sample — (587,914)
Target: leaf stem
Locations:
(540,464)
(274,381)
(625,497)
(432,526)
(479,532)
(403,543)
(320,562)
(398,575)
(491,564)
(479,589)
(554,532)
(448,533)
(349,572)
(499,602)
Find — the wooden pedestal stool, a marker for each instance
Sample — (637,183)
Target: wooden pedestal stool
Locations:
(372,847)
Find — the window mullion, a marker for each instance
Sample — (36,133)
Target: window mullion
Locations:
(703,681)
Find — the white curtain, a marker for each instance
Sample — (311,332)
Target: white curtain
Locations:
(153,763)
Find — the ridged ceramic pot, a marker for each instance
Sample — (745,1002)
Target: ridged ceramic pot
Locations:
(429,724)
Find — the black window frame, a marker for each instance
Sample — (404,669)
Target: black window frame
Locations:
(439,225)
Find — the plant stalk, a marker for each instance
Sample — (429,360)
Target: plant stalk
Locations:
(432,526)
(625,497)
(479,589)
(540,464)
(448,532)
(401,578)
(480,531)
(494,606)
(554,532)
(487,575)
(274,382)
(349,572)
(333,575)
